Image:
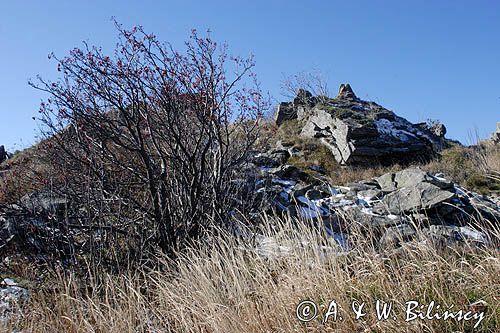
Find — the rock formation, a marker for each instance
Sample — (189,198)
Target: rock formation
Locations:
(345,92)
(397,206)
(361,132)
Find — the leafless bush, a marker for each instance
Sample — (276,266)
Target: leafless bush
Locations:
(312,81)
(149,141)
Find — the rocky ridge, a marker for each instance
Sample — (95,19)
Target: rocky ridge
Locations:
(361,132)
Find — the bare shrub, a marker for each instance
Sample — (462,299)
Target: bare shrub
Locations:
(312,81)
(148,141)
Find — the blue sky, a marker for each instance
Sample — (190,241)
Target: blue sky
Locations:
(421,59)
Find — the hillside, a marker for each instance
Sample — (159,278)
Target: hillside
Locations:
(340,185)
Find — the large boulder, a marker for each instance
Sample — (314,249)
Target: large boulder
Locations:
(361,132)
(420,196)
(367,140)
(296,109)
(345,92)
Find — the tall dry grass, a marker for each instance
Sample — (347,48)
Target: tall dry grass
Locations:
(227,286)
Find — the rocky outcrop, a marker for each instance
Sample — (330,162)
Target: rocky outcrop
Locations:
(399,206)
(345,92)
(296,109)
(361,132)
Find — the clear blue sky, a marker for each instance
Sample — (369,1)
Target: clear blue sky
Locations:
(422,59)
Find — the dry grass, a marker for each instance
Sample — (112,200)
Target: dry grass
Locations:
(228,287)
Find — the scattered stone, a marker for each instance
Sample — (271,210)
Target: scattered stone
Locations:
(296,109)
(316,194)
(386,182)
(450,235)
(291,172)
(11,299)
(396,205)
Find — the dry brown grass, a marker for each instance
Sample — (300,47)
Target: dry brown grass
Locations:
(228,287)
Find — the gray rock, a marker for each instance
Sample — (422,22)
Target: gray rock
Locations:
(38,202)
(421,196)
(450,234)
(361,186)
(345,92)
(316,194)
(296,109)
(386,182)
(371,194)
(301,190)
(290,172)
(360,132)
(284,111)
(11,299)
(438,130)
(371,220)
(393,236)
(410,177)
(318,168)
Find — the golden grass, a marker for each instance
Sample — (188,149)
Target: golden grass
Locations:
(228,287)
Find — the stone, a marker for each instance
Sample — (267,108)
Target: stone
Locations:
(371,220)
(284,111)
(11,299)
(393,236)
(451,234)
(438,130)
(386,182)
(316,194)
(318,168)
(44,202)
(369,195)
(345,92)
(301,190)
(410,177)
(291,172)
(421,196)
(304,97)
(296,109)
(359,132)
